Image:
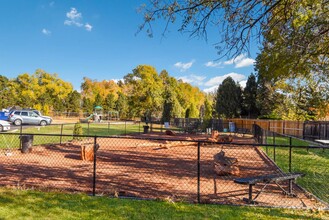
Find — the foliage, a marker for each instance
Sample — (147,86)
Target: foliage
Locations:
(295,32)
(72,102)
(122,105)
(77,130)
(145,90)
(228,99)
(249,104)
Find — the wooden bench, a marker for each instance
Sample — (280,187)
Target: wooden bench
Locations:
(267,179)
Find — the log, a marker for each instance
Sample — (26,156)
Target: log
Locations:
(87,152)
(224,165)
(170,132)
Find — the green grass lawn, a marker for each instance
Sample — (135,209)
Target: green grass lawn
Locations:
(98,129)
(28,204)
(314,163)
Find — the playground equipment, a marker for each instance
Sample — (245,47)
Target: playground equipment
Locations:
(113,115)
(97,115)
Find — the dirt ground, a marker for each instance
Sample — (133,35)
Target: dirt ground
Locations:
(166,169)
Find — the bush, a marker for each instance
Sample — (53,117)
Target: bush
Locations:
(77,130)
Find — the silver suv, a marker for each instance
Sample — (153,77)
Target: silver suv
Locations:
(19,117)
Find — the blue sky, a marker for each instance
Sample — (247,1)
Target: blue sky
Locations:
(97,39)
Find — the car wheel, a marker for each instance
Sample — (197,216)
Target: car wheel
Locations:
(43,123)
(18,122)
(1,128)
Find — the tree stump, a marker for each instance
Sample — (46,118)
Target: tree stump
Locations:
(87,152)
(170,132)
(224,165)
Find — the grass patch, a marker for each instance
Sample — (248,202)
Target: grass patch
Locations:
(28,204)
(314,163)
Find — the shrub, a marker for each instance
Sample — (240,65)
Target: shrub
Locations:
(77,130)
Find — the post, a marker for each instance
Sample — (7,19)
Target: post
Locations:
(139,127)
(125,127)
(94,171)
(21,131)
(319,131)
(274,146)
(108,127)
(290,149)
(60,141)
(304,130)
(198,172)
(283,127)
(88,128)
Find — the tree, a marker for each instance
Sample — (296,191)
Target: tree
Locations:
(73,102)
(228,99)
(145,90)
(98,100)
(296,30)
(249,105)
(267,98)
(109,102)
(87,105)
(122,105)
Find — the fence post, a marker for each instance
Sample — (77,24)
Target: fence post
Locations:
(125,127)
(20,137)
(274,146)
(304,130)
(88,128)
(108,127)
(198,172)
(94,171)
(283,127)
(60,141)
(139,127)
(290,148)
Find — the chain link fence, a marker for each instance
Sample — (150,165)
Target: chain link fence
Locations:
(178,168)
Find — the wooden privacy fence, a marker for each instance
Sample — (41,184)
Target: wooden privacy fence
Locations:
(293,128)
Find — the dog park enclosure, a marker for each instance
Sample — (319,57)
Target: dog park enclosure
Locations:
(155,166)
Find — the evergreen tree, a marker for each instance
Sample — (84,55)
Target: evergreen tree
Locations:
(228,99)
(249,107)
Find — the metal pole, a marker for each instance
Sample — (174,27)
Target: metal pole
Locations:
(21,130)
(274,146)
(60,141)
(290,148)
(94,171)
(198,184)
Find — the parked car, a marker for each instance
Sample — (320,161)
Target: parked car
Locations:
(4,126)
(19,117)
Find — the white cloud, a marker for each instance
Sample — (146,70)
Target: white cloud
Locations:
(74,18)
(88,27)
(193,79)
(240,61)
(211,89)
(213,64)
(74,14)
(184,66)
(51,4)
(46,32)
(215,81)
(243,83)
(245,62)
